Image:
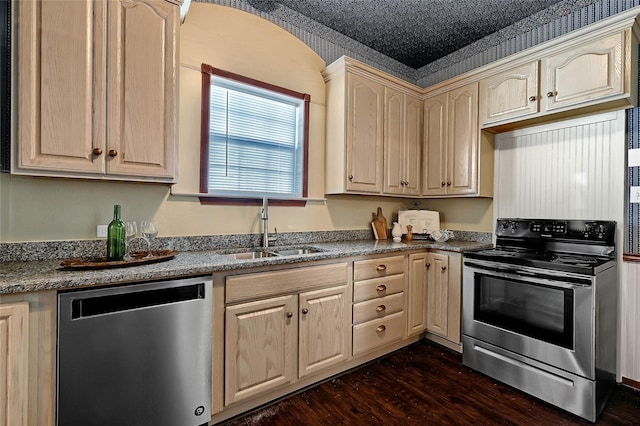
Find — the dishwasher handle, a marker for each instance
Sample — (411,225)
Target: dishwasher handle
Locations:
(129,301)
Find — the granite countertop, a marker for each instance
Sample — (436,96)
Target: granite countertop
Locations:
(29,276)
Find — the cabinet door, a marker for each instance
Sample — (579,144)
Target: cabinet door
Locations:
(325,327)
(462,146)
(588,72)
(142,105)
(394,146)
(13,364)
(364,134)
(435,145)
(437,293)
(417,293)
(510,94)
(260,346)
(61,86)
(412,145)
(402,140)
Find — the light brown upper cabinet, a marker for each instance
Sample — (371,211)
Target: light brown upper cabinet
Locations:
(96,89)
(451,159)
(402,142)
(365,106)
(591,72)
(355,107)
(510,94)
(373,132)
(578,76)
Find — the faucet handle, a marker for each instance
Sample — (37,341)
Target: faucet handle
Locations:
(274,239)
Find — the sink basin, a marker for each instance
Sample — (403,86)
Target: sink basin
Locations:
(295,252)
(251,255)
(259,254)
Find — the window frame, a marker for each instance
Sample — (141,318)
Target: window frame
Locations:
(207,72)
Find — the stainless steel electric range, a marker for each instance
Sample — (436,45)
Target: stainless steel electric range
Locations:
(540,311)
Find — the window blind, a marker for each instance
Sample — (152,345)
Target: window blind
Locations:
(254,142)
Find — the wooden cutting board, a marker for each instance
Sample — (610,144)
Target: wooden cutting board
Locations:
(379,225)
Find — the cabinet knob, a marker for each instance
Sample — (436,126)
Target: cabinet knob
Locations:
(381,287)
(113,153)
(97,151)
(381,308)
(428,265)
(444,268)
(532,98)
(443,183)
(350,177)
(305,311)
(551,94)
(380,328)
(289,314)
(448,183)
(381,268)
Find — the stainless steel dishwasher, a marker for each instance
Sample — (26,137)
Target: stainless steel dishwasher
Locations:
(135,354)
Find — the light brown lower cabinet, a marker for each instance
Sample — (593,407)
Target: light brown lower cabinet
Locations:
(378,302)
(14,329)
(260,346)
(417,293)
(27,358)
(274,341)
(444,298)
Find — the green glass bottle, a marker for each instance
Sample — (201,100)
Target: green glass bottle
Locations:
(116,236)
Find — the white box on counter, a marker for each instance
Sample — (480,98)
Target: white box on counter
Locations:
(421,221)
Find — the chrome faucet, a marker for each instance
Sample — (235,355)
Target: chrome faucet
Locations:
(264,216)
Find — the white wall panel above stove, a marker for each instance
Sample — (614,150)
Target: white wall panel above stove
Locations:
(570,170)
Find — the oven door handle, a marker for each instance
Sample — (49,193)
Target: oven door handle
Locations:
(565,281)
(500,269)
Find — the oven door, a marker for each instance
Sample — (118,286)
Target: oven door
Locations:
(540,314)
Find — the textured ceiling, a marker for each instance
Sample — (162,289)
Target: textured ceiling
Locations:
(416,32)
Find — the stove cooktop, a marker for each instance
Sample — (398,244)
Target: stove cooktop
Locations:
(567,262)
(579,246)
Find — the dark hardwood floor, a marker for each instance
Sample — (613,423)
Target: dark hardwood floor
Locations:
(426,384)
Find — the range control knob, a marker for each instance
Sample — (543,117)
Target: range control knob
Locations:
(602,231)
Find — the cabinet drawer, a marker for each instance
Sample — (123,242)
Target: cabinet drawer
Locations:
(375,268)
(377,333)
(378,308)
(258,285)
(377,287)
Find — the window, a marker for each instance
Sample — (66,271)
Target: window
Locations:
(254,138)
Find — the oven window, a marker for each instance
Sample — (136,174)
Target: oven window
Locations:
(534,310)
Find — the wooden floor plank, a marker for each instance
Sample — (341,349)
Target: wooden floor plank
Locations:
(426,384)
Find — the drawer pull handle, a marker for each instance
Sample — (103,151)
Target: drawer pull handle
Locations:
(381,308)
(444,268)
(305,311)
(380,328)
(381,268)
(381,287)
(289,314)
